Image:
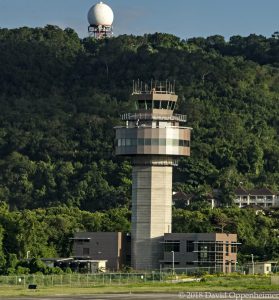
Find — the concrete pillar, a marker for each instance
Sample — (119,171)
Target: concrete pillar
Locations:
(151,214)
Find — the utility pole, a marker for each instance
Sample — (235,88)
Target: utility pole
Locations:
(172,262)
(253,264)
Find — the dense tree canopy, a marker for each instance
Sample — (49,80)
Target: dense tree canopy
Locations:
(60,98)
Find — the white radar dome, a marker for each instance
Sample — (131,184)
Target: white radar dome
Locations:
(100,14)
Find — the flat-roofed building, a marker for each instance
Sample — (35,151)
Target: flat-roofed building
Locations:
(264,267)
(110,246)
(213,250)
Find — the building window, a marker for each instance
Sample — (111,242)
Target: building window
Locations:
(172,246)
(170,263)
(164,104)
(219,247)
(81,241)
(227,248)
(149,104)
(219,256)
(85,251)
(206,251)
(157,104)
(233,248)
(152,142)
(190,246)
(140,142)
(141,104)
(203,255)
(147,142)
(206,246)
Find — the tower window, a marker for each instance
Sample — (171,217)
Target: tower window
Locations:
(164,104)
(157,104)
(153,142)
(147,142)
(148,104)
(162,142)
(141,104)
(141,142)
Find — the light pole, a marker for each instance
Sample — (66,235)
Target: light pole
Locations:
(172,262)
(27,254)
(253,265)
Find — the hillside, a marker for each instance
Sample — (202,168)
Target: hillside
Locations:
(61,96)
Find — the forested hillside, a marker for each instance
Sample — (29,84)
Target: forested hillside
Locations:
(60,98)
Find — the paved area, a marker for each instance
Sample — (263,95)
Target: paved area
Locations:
(183,295)
(105,297)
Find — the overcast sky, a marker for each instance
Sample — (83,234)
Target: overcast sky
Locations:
(184,18)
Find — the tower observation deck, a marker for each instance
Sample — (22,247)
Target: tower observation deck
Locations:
(154,137)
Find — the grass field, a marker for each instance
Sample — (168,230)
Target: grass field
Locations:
(210,283)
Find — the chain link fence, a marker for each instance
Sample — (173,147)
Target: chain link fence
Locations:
(82,280)
(86,280)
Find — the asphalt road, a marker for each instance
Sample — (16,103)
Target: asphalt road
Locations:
(186,295)
(106,297)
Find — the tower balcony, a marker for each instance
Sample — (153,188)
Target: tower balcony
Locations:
(150,116)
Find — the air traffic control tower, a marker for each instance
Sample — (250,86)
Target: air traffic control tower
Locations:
(154,138)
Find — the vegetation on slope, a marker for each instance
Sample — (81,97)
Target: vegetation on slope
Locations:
(61,96)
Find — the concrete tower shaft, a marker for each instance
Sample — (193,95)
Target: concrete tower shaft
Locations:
(154,139)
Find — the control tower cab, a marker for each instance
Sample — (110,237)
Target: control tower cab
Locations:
(153,130)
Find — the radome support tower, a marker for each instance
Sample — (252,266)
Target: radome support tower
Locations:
(154,138)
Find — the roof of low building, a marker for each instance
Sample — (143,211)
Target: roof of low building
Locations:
(240,191)
(261,192)
(182,196)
